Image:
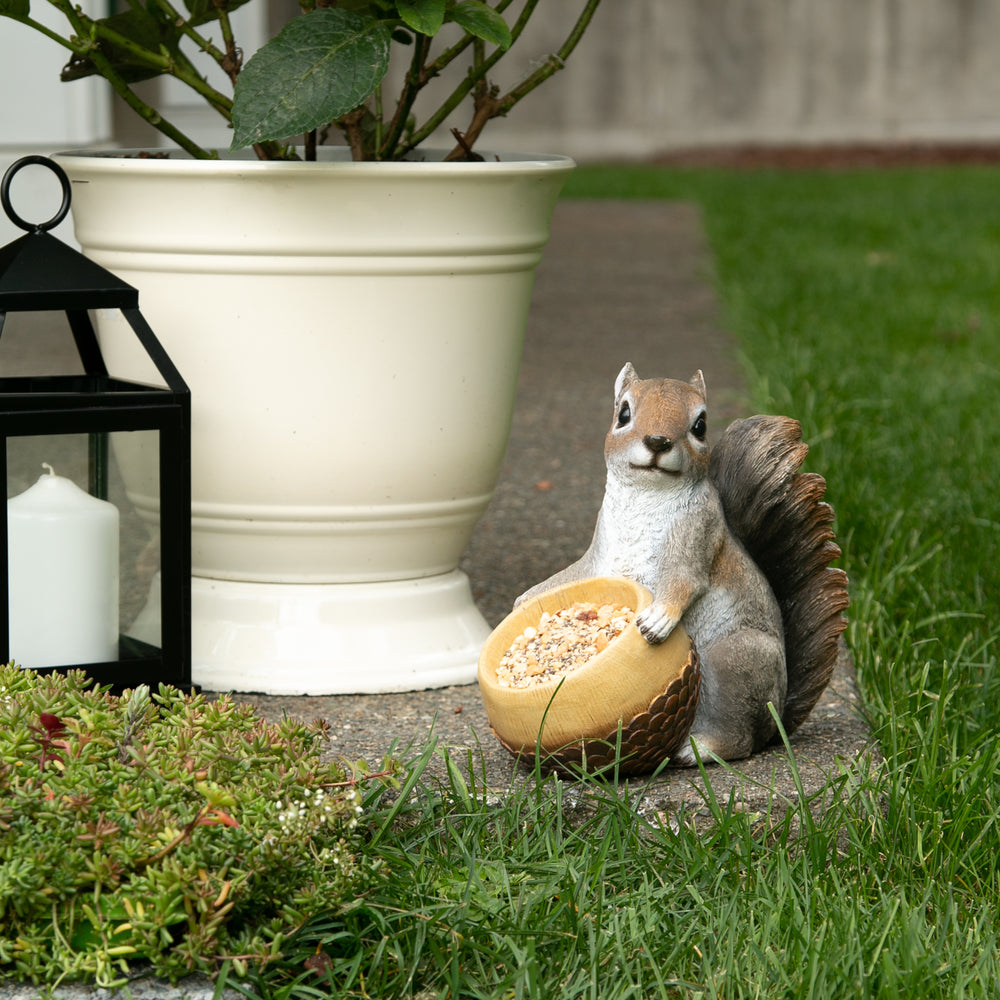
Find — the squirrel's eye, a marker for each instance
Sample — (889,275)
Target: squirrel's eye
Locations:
(624,414)
(699,427)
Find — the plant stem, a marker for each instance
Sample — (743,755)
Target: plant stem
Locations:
(232,62)
(177,64)
(147,113)
(488,106)
(351,124)
(416,78)
(554,63)
(188,30)
(378,120)
(484,97)
(473,77)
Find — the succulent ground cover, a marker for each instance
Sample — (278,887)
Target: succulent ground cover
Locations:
(163,828)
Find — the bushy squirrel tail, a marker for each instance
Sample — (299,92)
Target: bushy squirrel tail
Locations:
(779,515)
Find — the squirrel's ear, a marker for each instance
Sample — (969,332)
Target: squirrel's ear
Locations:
(625,378)
(698,381)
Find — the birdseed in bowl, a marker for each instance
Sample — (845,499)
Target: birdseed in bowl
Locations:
(561,642)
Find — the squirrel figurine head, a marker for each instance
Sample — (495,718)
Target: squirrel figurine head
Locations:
(658,432)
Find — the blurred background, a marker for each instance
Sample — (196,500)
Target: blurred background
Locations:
(651,77)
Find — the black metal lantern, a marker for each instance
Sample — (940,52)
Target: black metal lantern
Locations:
(52,535)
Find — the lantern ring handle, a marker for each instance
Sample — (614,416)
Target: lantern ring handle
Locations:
(35,227)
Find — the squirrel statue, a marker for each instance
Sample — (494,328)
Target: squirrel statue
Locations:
(736,545)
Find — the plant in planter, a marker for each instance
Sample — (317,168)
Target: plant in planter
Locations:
(324,68)
(351,331)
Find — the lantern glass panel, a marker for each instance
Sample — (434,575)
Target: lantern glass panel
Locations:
(38,343)
(99,465)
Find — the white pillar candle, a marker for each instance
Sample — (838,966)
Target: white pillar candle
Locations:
(62,568)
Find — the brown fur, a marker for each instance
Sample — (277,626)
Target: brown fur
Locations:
(780,516)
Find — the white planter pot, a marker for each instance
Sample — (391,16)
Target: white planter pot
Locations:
(351,334)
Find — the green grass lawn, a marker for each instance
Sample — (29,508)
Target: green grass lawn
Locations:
(867,305)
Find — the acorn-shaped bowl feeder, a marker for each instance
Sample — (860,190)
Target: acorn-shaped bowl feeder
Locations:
(650,691)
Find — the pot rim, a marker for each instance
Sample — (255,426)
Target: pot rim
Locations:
(335,160)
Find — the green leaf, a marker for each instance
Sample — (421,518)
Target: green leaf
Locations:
(15,8)
(481,20)
(320,66)
(425,16)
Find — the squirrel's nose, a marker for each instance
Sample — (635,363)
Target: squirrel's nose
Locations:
(656,443)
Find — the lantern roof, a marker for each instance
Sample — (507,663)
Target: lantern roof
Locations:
(40,272)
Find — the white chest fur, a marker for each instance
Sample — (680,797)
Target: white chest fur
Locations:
(635,526)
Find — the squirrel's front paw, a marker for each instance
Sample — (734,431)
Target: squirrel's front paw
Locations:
(655,623)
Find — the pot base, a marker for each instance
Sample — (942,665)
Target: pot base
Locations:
(298,639)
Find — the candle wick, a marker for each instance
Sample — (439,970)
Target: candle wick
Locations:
(45,465)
